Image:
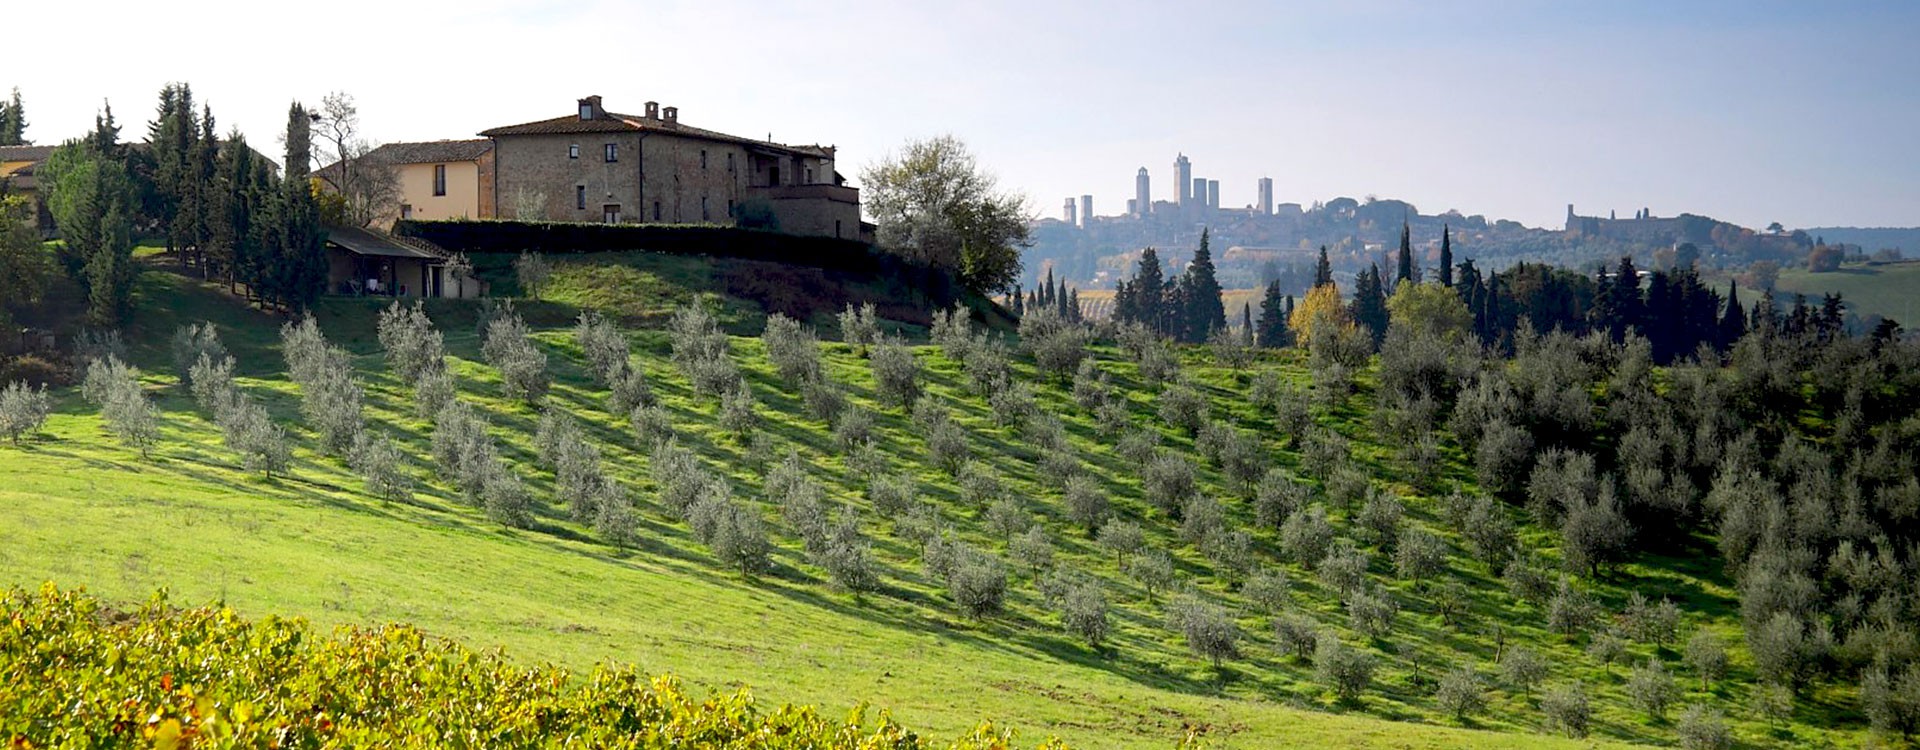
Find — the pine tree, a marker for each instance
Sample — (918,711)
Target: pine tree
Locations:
(13,121)
(1019,302)
(1405,272)
(1323,270)
(171,135)
(1205,312)
(1446,255)
(1273,332)
(90,194)
(1073,306)
(1369,306)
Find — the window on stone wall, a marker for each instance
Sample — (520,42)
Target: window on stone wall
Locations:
(703,158)
(729,161)
(610,213)
(573,151)
(613,152)
(703,209)
(439,179)
(656,210)
(580,197)
(406,211)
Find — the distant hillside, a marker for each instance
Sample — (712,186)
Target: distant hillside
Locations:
(1904,239)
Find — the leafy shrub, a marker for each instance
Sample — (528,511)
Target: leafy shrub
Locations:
(1568,709)
(413,348)
(1092,388)
(382,465)
(190,342)
(532,271)
(1419,555)
(896,373)
(845,554)
(1461,694)
(1032,548)
(1153,570)
(1086,502)
(1651,688)
(433,393)
(609,358)
(738,415)
(1522,668)
(1122,538)
(1707,656)
(22,410)
(1703,728)
(892,494)
(1083,613)
(1297,634)
(860,327)
(1371,613)
(1343,569)
(262,445)
(1607,648)
(1208,630)
(702,351)
(734,533)
(977,582)
(1012,404)
(115,387)
(1306,536)
(651,425)
(1138,447)
(523,367)
(1650,623)
(1168,481)
(1183,408)
(1267,590)
(1379,520)
(91,345)
(947,446)
(1276,498)
(794,351)
(1345,670)
(1006,516)
(1056,344)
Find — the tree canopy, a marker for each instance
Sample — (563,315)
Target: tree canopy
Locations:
(933,203)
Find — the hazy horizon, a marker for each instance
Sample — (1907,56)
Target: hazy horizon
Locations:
(1748,112)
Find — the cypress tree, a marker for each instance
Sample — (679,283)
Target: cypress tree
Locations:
(13,121)
(302,275)
(171,135)
(1733,324)
(1146,292)
(1019,302)
(1323,270)
(1205,311)
(1405,272)
(1273,318)
(1369,306)
(1246,319)
(1073,305)
(206,172)
(1446,255)
(1046,289)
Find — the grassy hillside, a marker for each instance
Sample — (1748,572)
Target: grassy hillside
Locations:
(1887,289)
(81,510)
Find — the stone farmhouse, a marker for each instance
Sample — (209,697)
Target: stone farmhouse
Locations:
(595,165)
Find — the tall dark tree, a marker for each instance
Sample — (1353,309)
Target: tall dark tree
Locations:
(90,194)
(171,136)
(1322,270)
(13,121)
(204,207)
(1446,255)
(1246,318)
(1369,306)
(1142,299)
(1273,332)
(1733,324)
(1405,272)
(1618,308)
(302,272)
(1205,312)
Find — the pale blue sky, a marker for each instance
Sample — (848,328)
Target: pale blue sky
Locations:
(1804,113)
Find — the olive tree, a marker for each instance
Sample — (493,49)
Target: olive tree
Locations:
(1345,670)
(523,367)
(1209,631)
(23,409)
(1461,693)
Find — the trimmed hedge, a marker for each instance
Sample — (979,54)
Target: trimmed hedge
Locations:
(559,238)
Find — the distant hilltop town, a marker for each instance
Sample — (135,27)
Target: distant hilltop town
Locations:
(1254,242)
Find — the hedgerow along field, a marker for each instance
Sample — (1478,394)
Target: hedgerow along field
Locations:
(82,510)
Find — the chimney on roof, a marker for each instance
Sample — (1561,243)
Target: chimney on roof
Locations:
(653,110)
(590,108)
(672,114)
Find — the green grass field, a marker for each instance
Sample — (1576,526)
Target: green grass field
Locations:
(78,509)
(1890,290)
